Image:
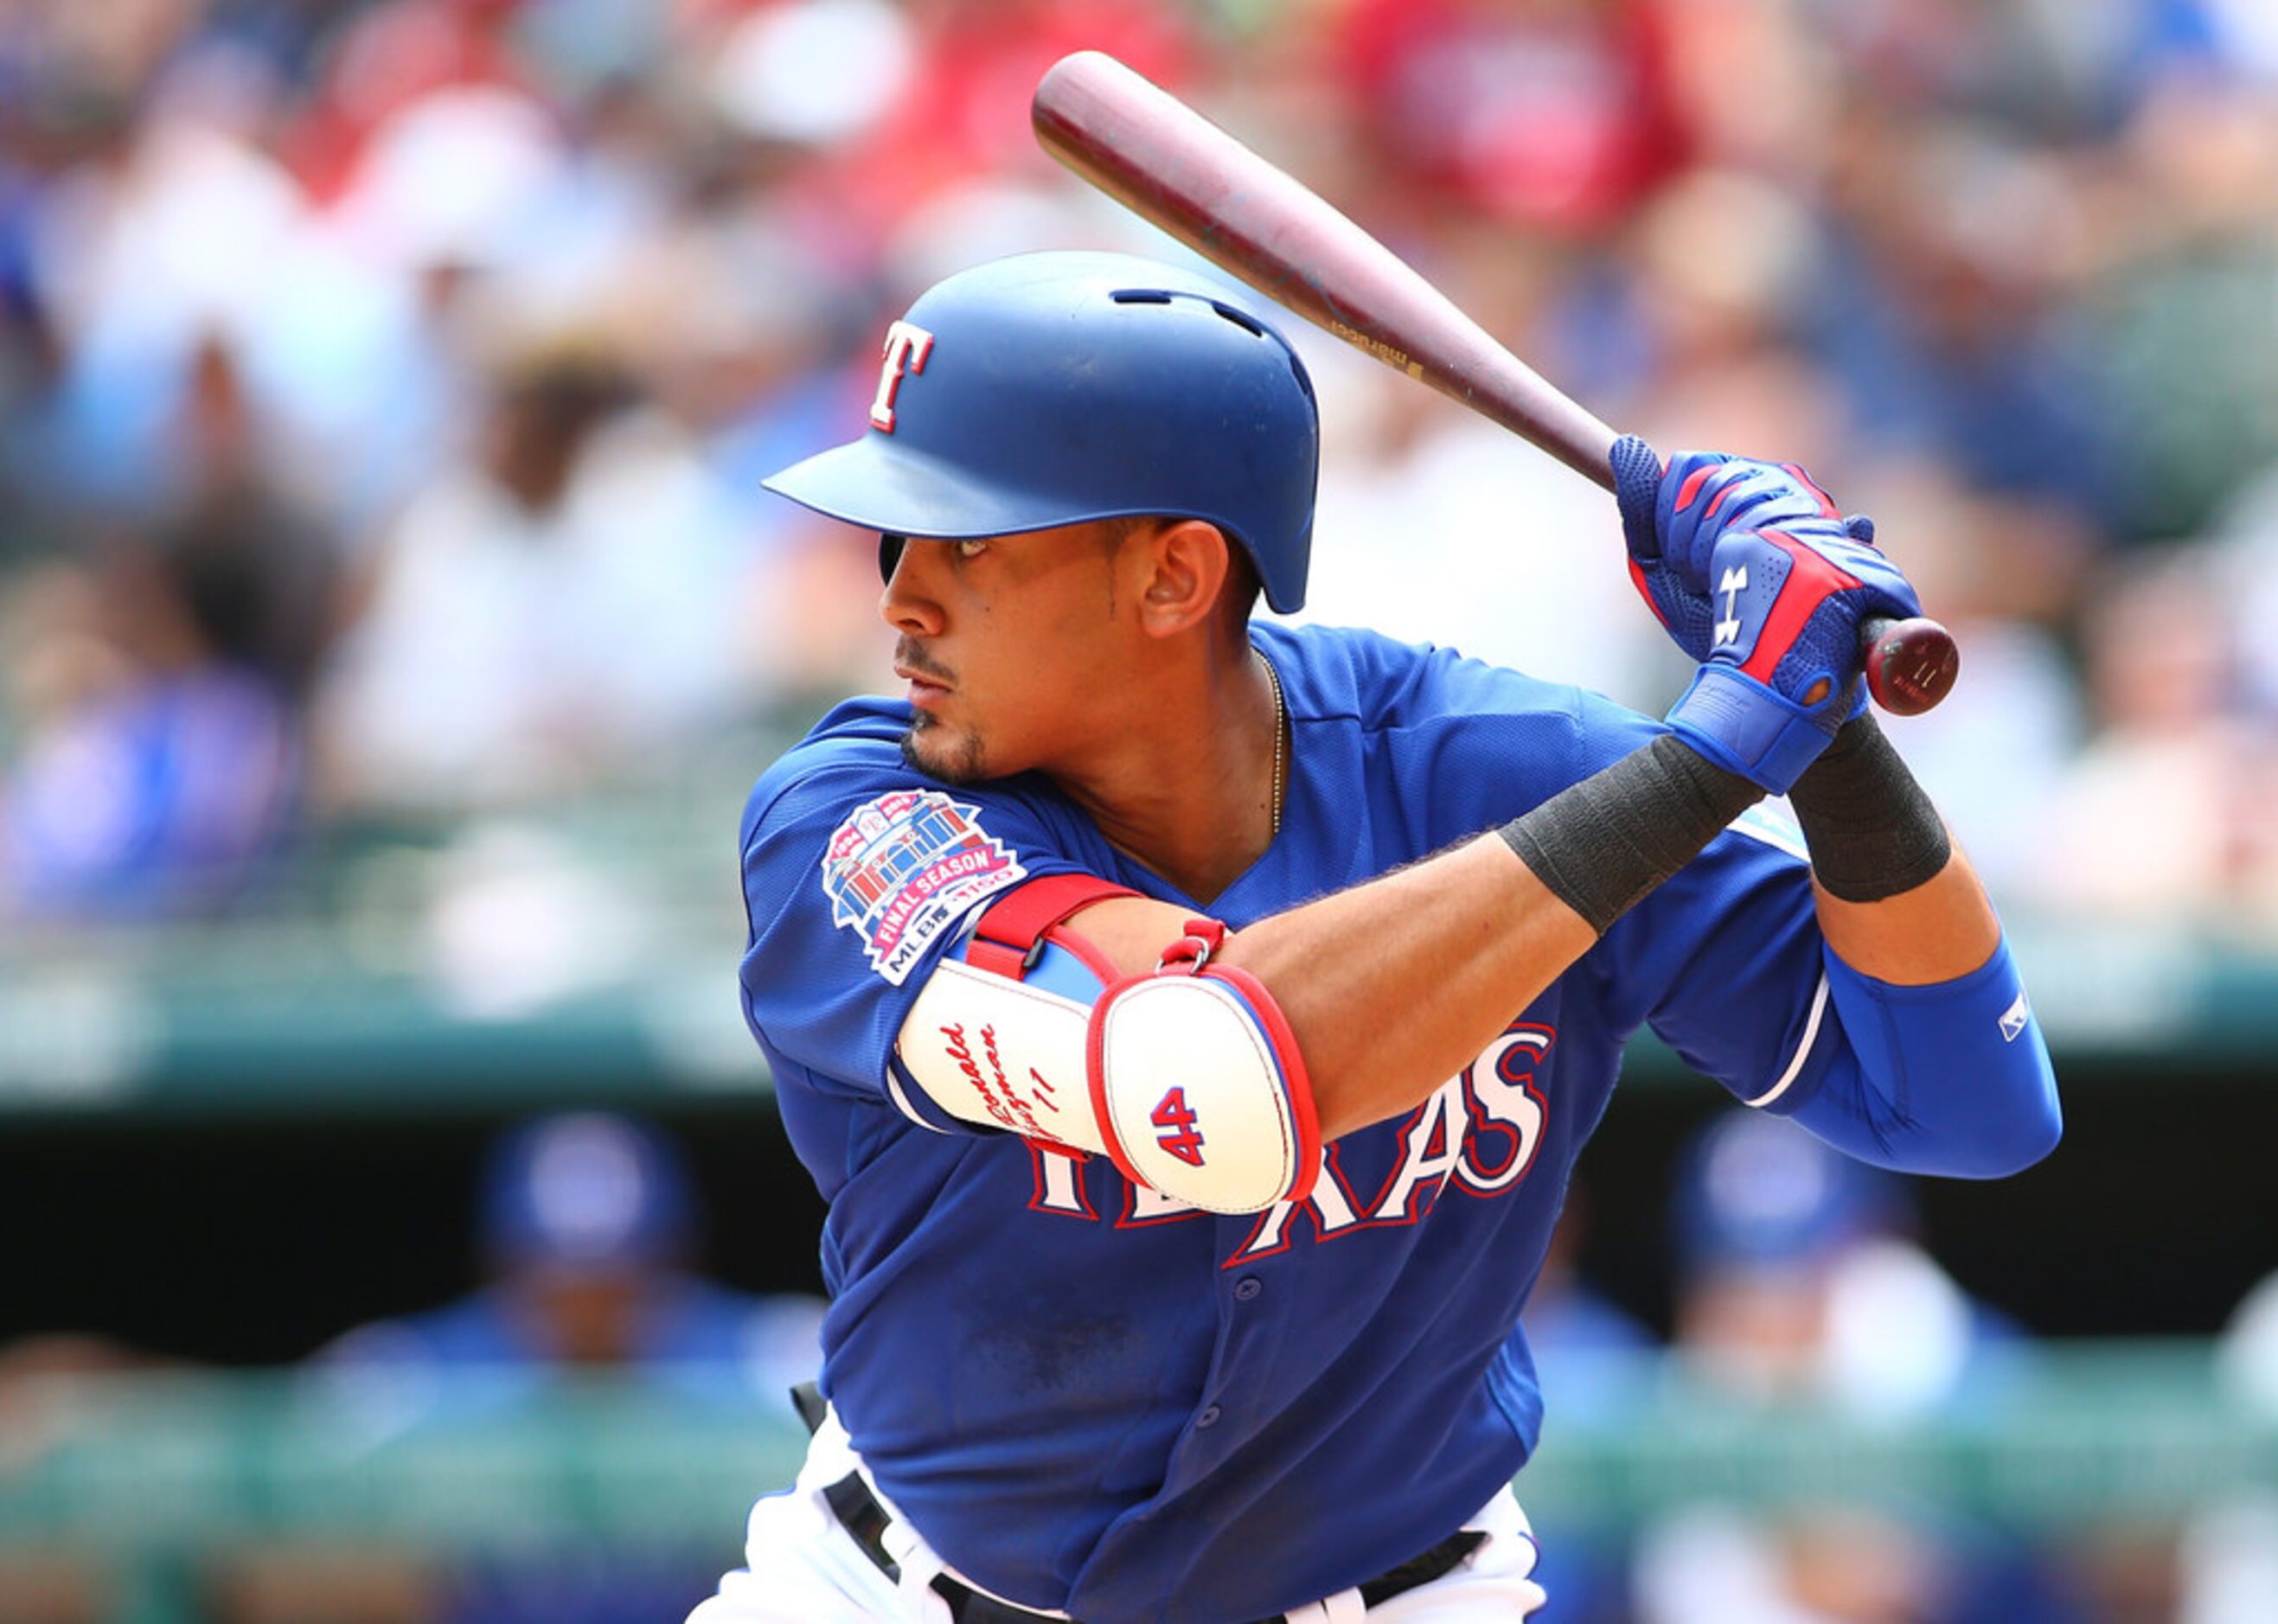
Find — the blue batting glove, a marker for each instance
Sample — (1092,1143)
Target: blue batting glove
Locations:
(1755,574)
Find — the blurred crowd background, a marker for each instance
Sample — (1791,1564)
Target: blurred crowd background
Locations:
(386,583)
(384,386)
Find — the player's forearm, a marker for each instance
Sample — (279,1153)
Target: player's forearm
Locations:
(1395,986)
(1948,1076)
(1896,899)
(1941,929)
(1402,982)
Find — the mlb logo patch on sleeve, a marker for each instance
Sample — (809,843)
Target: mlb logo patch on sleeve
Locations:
(905,868)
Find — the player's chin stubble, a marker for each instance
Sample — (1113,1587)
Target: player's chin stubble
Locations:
(960,760)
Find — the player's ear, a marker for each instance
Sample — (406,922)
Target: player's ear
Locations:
(1186,562)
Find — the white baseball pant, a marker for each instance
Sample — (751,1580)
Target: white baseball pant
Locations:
(804,1567)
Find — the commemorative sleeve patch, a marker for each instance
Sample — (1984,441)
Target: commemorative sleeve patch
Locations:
(906,867)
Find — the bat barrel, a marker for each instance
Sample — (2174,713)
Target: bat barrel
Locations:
(1168,164)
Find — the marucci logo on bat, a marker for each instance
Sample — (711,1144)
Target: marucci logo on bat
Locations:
(1378,348)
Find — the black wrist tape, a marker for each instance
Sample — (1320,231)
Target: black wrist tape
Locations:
(1601,845)
(1872,831)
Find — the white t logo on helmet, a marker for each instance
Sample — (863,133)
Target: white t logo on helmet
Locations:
(906,349)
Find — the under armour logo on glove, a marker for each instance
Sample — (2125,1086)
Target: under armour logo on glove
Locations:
(1735,582)
(1778,635)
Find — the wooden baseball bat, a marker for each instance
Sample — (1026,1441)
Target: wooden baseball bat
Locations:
(1167,162)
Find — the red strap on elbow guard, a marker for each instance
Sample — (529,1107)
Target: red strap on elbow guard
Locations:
(1011,933)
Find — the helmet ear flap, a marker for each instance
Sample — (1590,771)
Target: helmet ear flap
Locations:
(890,553)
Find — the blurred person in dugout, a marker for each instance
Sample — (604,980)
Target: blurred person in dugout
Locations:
(1800,1284)
(589,1225)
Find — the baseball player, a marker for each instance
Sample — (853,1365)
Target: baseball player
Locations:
(1192,1022)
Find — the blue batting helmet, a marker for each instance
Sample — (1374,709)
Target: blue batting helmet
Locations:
(1052,389)
(586,1189)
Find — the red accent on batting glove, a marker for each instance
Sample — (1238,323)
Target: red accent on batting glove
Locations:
(1819,577)
(1691,488)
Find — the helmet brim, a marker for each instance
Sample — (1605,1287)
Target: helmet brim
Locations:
(876,485)
(880,486)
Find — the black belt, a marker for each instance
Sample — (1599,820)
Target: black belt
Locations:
(858,1510)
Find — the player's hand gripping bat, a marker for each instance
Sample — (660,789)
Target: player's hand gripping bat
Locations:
(1167,162)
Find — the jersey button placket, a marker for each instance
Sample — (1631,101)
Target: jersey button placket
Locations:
(1244,1290)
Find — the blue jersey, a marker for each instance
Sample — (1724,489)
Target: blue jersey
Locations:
(1089,1398)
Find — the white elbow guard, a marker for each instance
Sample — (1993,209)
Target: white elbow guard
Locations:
(1187,1076)
(1197,1084)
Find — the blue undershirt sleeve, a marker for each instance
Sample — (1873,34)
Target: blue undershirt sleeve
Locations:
(1952,1077)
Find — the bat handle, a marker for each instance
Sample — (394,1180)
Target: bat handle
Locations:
(1910,664)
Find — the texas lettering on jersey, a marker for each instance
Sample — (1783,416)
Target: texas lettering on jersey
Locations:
(1477,1132)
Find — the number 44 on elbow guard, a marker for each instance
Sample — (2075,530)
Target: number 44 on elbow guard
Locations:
(1187,1078)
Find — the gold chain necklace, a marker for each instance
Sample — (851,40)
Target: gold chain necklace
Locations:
(1281,726)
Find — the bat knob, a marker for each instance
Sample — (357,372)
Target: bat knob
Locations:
(1911,664)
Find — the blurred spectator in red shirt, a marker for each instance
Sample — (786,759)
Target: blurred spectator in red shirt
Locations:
(1556,113)
(963,110)
(388,58)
